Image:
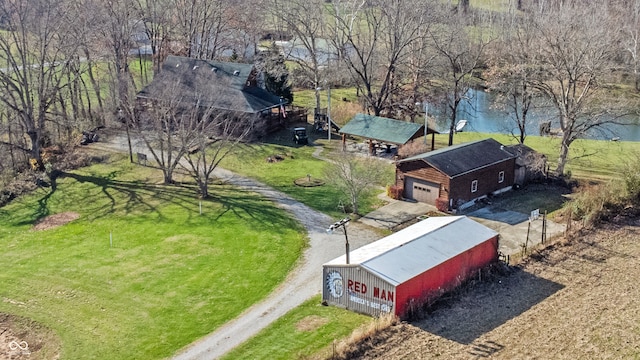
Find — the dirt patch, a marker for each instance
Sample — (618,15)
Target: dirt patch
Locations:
(311,323)
(576,299)
(53,221)
(21,338)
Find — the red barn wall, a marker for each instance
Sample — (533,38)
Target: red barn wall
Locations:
(444,277)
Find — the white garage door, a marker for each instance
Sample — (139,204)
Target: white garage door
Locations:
(422,191)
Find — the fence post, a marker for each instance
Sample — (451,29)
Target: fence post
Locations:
(544,227)
(526,243)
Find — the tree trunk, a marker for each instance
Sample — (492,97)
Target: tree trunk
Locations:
(564,154)
(34,136)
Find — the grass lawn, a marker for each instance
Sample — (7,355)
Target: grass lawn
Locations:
(303,332)
(170,277)
(298,163)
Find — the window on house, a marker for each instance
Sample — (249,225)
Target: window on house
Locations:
(474,186)
(501,176)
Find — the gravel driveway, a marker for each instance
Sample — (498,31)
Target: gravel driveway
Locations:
(302,283)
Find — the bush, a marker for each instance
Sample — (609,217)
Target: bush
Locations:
(631,178)
(442,205)
(395,192)
(593,204)
(413,148)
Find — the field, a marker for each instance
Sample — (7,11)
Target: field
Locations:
(137,272)
(575,300)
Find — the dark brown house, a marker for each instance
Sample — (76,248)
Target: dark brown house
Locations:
(233,88)
(453,177)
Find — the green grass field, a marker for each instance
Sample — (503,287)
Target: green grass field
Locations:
(298,163)
(170,276)
(302,332)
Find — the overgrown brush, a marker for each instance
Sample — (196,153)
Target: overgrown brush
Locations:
(352,346)
(594,204)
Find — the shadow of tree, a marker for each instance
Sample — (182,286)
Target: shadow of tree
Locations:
(140,197)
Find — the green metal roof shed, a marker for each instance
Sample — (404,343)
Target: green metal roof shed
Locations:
(385,130)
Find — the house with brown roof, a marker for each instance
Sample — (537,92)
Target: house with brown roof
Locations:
(456,176)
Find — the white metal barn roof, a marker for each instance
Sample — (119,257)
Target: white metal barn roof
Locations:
(417,248)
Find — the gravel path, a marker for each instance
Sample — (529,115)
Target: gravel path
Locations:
(302,283)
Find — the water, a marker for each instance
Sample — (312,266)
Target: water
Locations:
(483,117)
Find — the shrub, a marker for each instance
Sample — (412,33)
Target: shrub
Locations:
(594,203)
(395,192)
(413,148)
(442,205)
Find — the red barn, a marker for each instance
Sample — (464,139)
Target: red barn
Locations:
(410,267)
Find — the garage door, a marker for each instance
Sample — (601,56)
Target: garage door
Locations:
(422,191)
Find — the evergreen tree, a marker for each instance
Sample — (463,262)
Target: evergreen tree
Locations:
(276,75)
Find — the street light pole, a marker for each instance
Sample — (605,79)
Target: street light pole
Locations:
(342,223)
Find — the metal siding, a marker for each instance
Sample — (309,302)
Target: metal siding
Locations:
(355,296)
(431,284)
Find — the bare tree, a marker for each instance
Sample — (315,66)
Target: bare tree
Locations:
(216,135)
(353,175)
(203,25)
(373,38)
(166,127)
(305,20)
(155,16)
(509,72)
(631,38)
(459,58)
(35,64)
(574,51)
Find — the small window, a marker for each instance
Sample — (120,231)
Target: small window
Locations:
(474,186)
(501,176)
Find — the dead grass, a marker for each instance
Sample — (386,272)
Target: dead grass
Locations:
(576,299)
(311,323)
(364,337)
(53,221)
(22,338)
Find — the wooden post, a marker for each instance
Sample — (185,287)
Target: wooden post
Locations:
(526,243)
(544,227)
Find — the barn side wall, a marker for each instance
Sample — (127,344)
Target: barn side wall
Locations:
(353,287)
(431,284)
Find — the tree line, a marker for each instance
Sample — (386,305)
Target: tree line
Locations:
(68,65)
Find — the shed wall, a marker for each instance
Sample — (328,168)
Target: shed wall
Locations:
(434,282)
(362,291)
(487,182)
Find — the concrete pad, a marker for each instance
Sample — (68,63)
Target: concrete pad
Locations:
(395,213)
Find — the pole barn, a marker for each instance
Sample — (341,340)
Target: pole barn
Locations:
(410,267)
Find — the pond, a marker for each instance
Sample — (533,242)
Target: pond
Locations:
(483,116)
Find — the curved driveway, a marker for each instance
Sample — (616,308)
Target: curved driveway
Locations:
(301,284)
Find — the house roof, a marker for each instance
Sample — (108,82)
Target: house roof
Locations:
(418,248)
(208,83)
(383,129)
(460,159)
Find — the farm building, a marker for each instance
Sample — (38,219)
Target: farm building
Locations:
(410,267)
(453,177)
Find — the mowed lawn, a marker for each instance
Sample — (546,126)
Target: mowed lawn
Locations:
(170,276)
